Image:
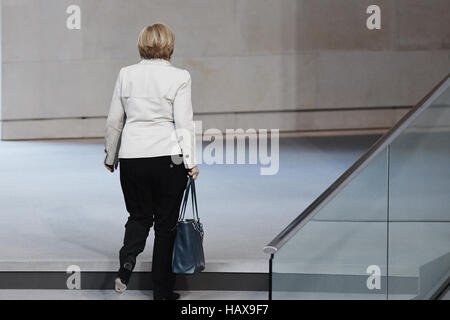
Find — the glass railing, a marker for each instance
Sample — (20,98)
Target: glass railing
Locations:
(382,230)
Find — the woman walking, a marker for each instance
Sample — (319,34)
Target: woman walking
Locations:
(150,132)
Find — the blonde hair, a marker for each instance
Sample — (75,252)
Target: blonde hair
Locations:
(156,41)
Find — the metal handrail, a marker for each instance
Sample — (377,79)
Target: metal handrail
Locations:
(356,168)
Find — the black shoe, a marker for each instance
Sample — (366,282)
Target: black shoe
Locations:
(120,286)
(123,277)
(172,296)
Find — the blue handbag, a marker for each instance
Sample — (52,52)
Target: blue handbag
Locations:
(188,256)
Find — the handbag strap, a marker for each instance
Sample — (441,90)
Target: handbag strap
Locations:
(190,187)
(184,202)
(194,201)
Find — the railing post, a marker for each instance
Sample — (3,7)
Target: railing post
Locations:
(388,163)
(270,276)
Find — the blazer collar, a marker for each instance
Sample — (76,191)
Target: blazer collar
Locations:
(157,61)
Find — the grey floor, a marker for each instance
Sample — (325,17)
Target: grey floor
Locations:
(185,295)
(59,206)
(128,295)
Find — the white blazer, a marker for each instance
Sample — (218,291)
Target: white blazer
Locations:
(151,113)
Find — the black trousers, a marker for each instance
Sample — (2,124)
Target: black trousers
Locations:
(153,190)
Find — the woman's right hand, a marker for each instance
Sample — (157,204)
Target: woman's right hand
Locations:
(194,172)
(110,167)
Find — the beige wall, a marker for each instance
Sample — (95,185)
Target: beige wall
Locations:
(297,65)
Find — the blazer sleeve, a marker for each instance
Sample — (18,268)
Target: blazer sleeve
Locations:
(184,122)
(114,124)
